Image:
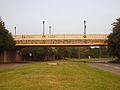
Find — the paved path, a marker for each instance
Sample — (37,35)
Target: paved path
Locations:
(114,68)
(10,65)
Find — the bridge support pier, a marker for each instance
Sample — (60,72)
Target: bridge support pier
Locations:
(7,57)
(19,58)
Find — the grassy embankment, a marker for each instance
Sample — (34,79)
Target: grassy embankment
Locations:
(66,75)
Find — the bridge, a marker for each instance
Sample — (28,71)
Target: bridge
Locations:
(52,40)
(61,40)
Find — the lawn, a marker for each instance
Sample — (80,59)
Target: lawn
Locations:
(66,75)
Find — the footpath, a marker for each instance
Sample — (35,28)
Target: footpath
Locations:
(105,65)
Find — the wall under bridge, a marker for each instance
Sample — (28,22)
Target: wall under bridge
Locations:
(8,56)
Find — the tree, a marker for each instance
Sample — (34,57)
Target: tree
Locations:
(37,52)
(6,40)
(114,40)
(63,52)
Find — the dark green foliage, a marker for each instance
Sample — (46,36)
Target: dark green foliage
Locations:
(104,52)
(39,53)
(114,40)
(6,40)
(62,52)
(84,52)
(74,52)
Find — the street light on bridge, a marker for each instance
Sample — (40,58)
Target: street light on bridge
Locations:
(43,27)
(15,30)
(49,29)
(0,19)
(84,26)
(84,29)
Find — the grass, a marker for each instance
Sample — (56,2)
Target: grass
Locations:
(66,75)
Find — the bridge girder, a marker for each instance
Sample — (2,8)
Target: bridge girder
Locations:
(61,40)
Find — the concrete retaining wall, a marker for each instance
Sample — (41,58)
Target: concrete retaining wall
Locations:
(7,57)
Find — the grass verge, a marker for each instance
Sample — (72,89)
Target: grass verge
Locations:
(64,75)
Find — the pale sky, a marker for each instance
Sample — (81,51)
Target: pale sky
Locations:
(65,16)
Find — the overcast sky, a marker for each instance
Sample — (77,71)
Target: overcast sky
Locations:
(65,16)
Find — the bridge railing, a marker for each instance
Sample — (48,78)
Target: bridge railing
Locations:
(60,36)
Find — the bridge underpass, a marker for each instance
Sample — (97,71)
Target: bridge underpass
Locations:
(58,40)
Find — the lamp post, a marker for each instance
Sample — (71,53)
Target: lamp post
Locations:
(15,30)
(49,29)
(0,19)
(84,36)
(84,26)
(43,27)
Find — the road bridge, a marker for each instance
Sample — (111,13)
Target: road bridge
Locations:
(52,40)
(61,40)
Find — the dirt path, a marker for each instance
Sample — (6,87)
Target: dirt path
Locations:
(114,68)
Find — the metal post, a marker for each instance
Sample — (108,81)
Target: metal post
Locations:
(84,26)
(49,29)
(0,19)
(43,27)
(15,30)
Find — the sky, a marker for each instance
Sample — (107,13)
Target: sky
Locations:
(64,16)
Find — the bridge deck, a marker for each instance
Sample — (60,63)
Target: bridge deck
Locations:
(60,39)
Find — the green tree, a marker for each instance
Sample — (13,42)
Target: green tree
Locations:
(37,52)
(114,40)
(104,51)
(6,40)
(63,52)
(74,52)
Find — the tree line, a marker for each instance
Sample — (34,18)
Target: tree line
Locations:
(50,53)
(114,40)
(6,40)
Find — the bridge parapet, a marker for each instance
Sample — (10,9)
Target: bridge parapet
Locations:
(60,36)
(61,40)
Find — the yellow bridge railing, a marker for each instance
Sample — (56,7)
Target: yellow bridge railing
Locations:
(60,39)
